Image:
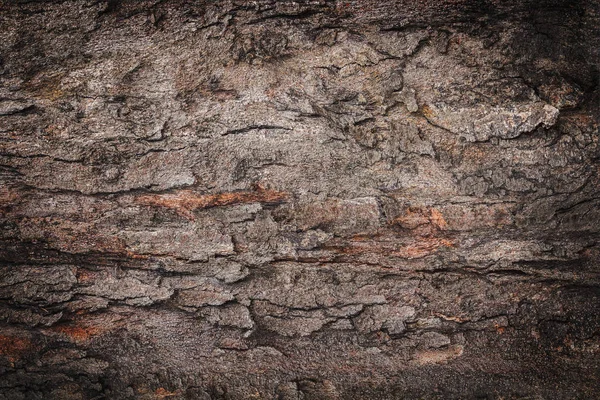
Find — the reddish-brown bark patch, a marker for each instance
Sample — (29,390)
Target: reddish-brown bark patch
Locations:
(13,348)
(423,247)
(85,276)
(78,334)
(417,216)
(417,248)
(186,201)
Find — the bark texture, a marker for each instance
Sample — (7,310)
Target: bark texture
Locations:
(299,200)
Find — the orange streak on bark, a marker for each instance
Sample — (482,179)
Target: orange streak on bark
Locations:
(186,201)
(422,248)
(162,393)
(452,318)
(437,219)
(417,216)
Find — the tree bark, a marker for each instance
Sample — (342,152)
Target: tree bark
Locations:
(299,200)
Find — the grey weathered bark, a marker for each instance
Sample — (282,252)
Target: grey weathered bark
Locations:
(299,200)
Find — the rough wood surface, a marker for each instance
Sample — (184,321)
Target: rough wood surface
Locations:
(299,200)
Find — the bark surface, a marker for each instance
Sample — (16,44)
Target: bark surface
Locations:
(299,200)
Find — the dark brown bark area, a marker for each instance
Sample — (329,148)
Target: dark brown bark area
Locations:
(299,200)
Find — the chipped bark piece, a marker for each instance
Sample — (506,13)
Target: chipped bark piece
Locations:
(235,315)
(295,325)
(437,219)
(195,298)
(12,107)
(193,244)
(390,318)
(416,216)
(184,202)
(340,216)
(438,356)
(482,124)
(233,344)
(423,247)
